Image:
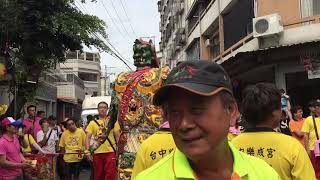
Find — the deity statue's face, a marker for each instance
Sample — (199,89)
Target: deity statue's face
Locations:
(142,54)
(133,106)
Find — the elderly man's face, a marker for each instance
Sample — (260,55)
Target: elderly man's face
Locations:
(199,124)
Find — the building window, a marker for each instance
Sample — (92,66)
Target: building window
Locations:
(238,22)
(195,11)
(88,77)
(70,77)
(316,7)
(71,55)
(89,56)
(193,52)
(309,7)
(81,56)
(214,44)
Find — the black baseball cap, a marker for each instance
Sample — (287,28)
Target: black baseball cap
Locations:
(198,76)
(314,103)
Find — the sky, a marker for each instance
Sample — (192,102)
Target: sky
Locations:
(126,20)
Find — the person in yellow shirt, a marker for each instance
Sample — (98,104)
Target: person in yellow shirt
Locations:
(310,135)
(73,142)
(198,102)
(104,159)
(153,149)
(28,138)
(261,108)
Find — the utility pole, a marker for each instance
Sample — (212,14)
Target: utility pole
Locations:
(107,79)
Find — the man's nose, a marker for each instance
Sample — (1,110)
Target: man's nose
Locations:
(186,123)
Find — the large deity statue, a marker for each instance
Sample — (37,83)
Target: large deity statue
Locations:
(131,105)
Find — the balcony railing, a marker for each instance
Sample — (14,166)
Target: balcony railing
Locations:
(71,79)
(300,22)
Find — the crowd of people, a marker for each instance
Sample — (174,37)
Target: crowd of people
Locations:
(202,135)
(66,143)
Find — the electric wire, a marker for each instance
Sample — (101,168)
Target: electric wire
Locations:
(111,52)
(112,20)
(117,14)
(124,9)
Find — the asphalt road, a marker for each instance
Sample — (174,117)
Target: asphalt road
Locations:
(84,175)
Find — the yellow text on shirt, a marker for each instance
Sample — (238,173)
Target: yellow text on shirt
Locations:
(284,153)
(152,150)
(176,166)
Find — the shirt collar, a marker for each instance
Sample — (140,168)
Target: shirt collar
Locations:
(240,166)
(31,118)
(259,129)
(180,165)
(28,119)
(9,139)
(182,169)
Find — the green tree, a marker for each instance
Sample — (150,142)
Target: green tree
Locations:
(39,33)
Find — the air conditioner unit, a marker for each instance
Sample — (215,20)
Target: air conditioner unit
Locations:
(180,39)
(180,36)
(267,25)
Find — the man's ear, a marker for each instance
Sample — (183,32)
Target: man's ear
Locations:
(233,112)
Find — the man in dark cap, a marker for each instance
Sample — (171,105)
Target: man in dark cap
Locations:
(198,103)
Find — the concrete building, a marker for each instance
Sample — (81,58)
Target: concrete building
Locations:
(161,59)
(173,31)
(70,95)
(60,92)
(259,40)
(45,96)
(87,67)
